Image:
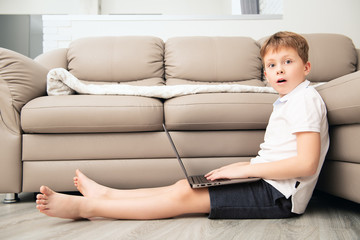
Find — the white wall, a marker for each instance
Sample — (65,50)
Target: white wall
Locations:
(48,7)
(168,7)
(323,16)
(305,16)
(210,7)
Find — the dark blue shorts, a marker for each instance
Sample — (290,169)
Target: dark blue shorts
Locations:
(251,200)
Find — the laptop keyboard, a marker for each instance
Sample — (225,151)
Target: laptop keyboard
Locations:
(201,179)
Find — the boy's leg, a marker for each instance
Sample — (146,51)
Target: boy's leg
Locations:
(180,199)
(89,188)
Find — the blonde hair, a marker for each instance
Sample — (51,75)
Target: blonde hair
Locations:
(286,39)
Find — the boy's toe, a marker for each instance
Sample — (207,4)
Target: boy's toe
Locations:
(41,196)
(46,190)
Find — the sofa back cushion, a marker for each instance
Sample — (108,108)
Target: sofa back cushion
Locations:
(212,59)
(116,59)
(331,56)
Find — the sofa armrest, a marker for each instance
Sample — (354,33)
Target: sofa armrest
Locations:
(358,59)
(21,80)
(342,99)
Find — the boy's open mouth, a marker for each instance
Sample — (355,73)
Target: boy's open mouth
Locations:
(281,80)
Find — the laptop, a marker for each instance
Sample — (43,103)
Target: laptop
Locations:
(199,181)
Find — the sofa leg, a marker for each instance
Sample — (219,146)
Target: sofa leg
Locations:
(11,198)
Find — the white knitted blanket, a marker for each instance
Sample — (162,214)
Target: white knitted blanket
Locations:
(61,82)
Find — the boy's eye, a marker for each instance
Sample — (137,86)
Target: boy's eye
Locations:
(271,65)
(288,61)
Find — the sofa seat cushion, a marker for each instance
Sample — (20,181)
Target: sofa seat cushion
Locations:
(89,114)
(219,111)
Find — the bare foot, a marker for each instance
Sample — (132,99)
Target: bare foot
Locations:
(60,205)
(89,188)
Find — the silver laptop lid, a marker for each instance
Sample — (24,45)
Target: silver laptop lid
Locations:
(175,150)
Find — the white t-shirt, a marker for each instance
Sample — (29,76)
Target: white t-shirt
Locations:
(301,110)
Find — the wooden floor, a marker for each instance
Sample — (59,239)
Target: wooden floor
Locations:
(326,218)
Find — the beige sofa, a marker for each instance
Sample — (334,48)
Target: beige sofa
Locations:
(119,141)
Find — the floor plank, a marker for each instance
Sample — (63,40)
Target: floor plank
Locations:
(326,218)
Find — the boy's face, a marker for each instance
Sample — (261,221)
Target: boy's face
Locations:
(285,70)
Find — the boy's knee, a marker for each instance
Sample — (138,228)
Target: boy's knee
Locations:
(182,189)
(182,185)
(188,199)
(182,182)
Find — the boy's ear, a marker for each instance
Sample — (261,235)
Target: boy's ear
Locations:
(307,68)
(265,75)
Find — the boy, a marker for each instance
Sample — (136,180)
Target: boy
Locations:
(289,162)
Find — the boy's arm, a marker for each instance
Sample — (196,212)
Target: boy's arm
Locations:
(304,164)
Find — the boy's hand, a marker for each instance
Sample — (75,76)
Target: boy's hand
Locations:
(304,164)
(236,170)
